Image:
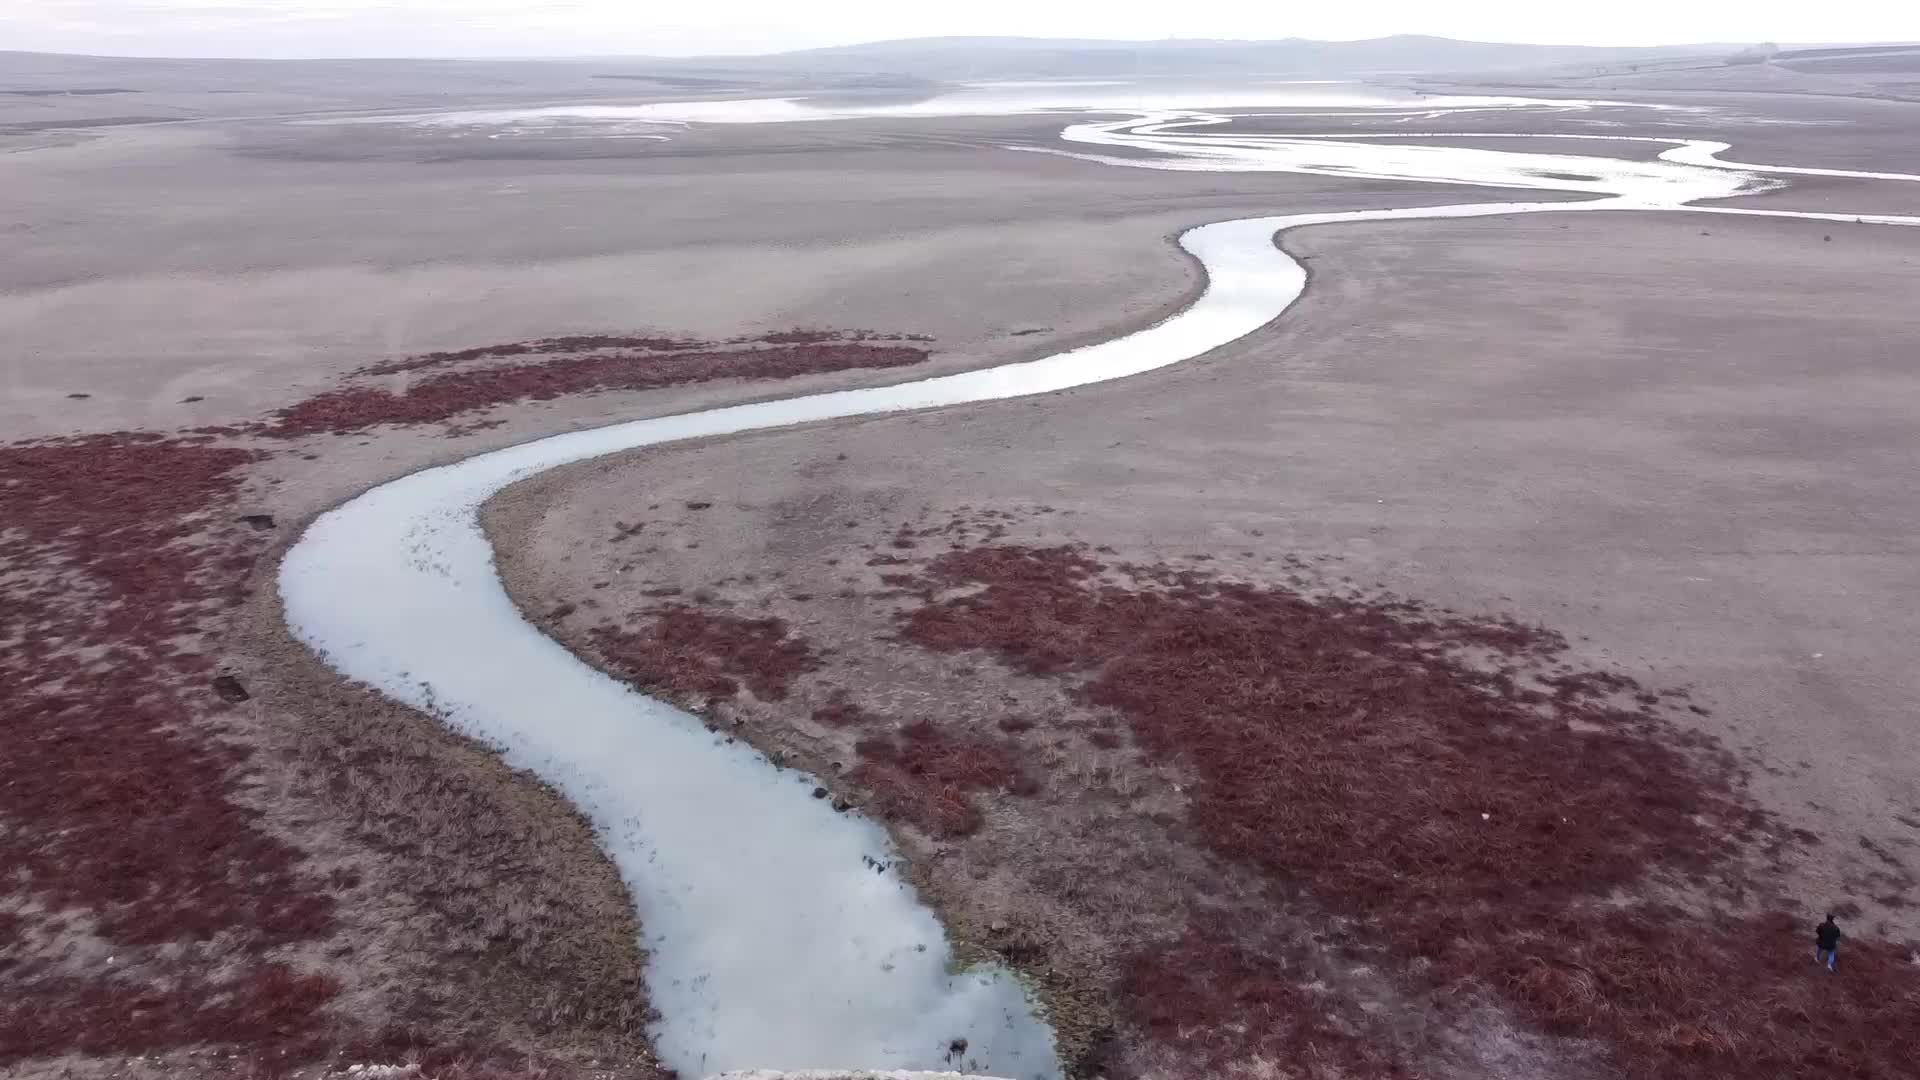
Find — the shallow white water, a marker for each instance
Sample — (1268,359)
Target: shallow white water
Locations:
(1690,171)
(774,942)
(1173,147)
(980,99)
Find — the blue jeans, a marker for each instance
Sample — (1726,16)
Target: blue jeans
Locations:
(1829,957)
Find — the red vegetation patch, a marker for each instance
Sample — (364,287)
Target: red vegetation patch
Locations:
(1723,998)
(268,1006)
(541,347)
(1475,818)
(927,776)
(447,394)
(1181,992)
(941,811)
(815,337)
(113,793)
(689,652)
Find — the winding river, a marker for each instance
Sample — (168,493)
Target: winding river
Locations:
(773,940)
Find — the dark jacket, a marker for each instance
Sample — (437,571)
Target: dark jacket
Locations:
(1827,936)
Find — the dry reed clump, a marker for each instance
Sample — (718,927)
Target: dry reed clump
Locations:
(842,712)
(513,926)
(114,790)
(1486,820)
(704,654)
(589,365)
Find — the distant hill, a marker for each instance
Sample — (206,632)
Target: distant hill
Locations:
(964,58)
(42,89)
(975,58)
(1865,60)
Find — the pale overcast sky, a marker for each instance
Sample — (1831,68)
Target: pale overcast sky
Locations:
(602,27)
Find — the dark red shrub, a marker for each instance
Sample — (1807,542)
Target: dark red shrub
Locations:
(689,652)
(927,776)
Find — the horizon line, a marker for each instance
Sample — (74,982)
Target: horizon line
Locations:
(983,39)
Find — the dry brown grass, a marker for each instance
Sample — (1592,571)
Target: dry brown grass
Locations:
(504,939)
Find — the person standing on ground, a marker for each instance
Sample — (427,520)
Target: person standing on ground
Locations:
(1826,943)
